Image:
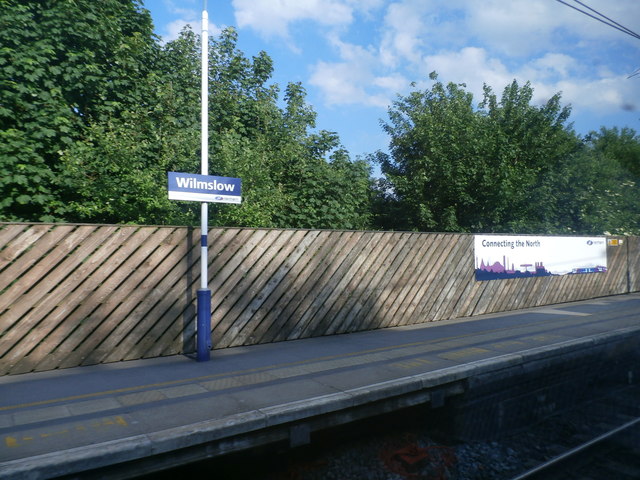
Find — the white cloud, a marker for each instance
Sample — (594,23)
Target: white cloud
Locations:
(520,28)
(465,41)
(392,83)
(336,81)
(554,65)
(357,78)
(494,42)
(601,96)
(548,74)
(405,30)
(366,6)
(186,16)
(174,28)
(343,83)
(515,28)
(272,17)
(471,66)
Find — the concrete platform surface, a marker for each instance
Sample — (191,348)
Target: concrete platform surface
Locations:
(68,421)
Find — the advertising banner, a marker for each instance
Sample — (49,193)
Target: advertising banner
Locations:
(507,256)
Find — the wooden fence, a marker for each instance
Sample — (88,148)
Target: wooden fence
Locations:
(84,294)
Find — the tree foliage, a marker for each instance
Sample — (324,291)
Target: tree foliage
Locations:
(63,65)
(607,178)
(504,165)
(431,170)
(94,111)
(117,172)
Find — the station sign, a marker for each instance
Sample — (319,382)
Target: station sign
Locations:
(204,188)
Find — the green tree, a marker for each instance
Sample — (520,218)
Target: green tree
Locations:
(281,162)
(623,145)
(63,65)
(118,171)
(590,188)
(527,147)
(429,174)
(455,167)
(94,111)
(611,177)
(334,194)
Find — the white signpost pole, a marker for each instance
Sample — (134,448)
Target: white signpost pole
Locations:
(203,332)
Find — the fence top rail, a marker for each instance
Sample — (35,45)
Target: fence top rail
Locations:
(197,227)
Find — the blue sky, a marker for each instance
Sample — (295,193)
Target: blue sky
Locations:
(354,56)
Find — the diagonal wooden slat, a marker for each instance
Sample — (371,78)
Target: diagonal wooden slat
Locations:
(329,260)
(313,319)
(26,271)
(408,281)
(81,294)
(8,232)
(134,305)
(386,291)
(367,301)
(250,292)
(15,239)
(33,329)
(180,336)
(253,314)
(346,286)
(119,295)
(632,250)
(77,327)
(288,278)
(167,317)
(349,317)
(408,313)
(281,319)
(159,298)
(236,292)
(56,327)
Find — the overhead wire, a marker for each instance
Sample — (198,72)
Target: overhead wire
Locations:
(627,30)
(606,20)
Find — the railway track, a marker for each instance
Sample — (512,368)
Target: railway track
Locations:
(612,453)
(602,457)
(596,440)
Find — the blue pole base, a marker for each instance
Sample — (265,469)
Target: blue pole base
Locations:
(203,336)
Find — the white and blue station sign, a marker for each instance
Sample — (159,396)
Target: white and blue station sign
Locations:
(204,188)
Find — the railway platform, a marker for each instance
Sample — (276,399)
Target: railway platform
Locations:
(132,418)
